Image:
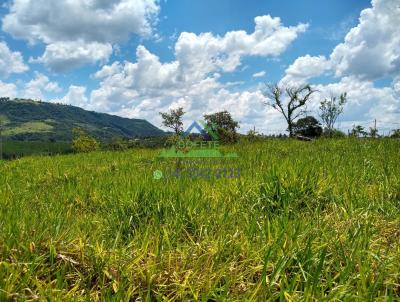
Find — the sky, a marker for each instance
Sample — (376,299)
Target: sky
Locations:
(135,58)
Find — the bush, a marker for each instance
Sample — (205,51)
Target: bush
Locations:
(333,133)
(83,142)
(308,126)
(118,144)
(395,134)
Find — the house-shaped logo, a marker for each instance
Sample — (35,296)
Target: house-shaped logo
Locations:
(206,148)
(205,130)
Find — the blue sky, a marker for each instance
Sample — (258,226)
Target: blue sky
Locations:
(135,58)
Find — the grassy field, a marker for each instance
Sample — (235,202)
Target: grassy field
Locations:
(304,221)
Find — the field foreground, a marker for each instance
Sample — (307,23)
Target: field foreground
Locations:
(305,220)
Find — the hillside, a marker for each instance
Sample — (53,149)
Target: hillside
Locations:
(32,121)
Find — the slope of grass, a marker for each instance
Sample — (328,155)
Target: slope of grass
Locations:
(29,127)
(304,221)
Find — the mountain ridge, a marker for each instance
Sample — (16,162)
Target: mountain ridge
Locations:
(29,120)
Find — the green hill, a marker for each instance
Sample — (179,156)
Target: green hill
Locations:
(27,120)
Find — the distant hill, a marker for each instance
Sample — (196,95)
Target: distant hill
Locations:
(27,120)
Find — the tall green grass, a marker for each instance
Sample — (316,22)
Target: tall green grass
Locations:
(305,221)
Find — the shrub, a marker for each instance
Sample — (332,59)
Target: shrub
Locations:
(83,142)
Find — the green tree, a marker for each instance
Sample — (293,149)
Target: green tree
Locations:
(307,126)
(83,142)
(173,120)
(396,133)
(253,135)
(358,131)
(373,132)
(329,111)
(3,121)
(223,123)
(289,101)
(117,144)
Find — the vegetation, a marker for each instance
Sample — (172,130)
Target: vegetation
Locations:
(307,221)
(173,120)
(83,142)
(335,133)
(17,149)
(396,133)
(28,120)
(330,110)
(289,101)
(308,127)
(223,124)
(358,131)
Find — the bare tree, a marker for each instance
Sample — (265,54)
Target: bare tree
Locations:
(289,101)
(331,109)
(173,119)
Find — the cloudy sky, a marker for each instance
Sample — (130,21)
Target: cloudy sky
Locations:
(135,58)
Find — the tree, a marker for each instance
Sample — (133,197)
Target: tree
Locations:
(307,126)
(289,101)
(173,120)
(83,142)
(331,109)
(3,121)
(358,131)
(117,144)
(396,133)
(373,132)
(223,123)
(253,135)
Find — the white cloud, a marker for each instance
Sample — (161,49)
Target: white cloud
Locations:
(34,89)
(75,96)
(8,90)
(65,56)
(101,21)
(205,53)
(305,68)
(371,50)
(259,74)
(90,24)
(10,62)
(144,88)
(365,101)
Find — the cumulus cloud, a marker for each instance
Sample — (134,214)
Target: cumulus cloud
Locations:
(305,68)
(192,80)
(65,56)
(10,62)
(75,96)
(371,50)
(89,24)
(8,90)
(204,53)
(365,101)
(34,89)
(92,21)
